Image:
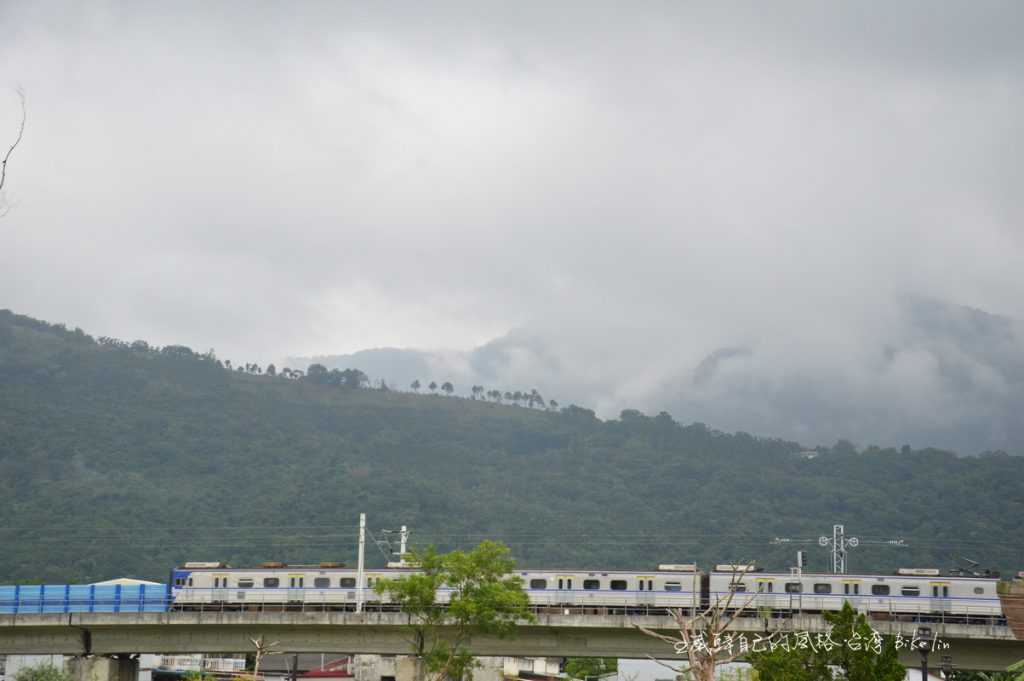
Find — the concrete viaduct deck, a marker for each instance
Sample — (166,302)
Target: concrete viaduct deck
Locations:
(984,647)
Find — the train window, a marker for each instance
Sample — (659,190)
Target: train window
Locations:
(910,591)
(765,587)
(291,582)
(347,583)
(978,590)
(538,583)
(322,582)
(301,581)
(271,582)
(851,589)
(245,584)
(591,584)
(641,585)
(879,589)
(793,587)
(738,588)
(190,581)
(618,585)
(560,584)
(822,588)
(673,586)
(650,585)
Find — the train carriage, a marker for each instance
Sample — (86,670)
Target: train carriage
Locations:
(671,586)
(199,585)
(327,585)
(920,592)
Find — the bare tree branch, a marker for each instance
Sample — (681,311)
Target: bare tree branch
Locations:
(700,635)
(678,670)
(17,141)
(262,649)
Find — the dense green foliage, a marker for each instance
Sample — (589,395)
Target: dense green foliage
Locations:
(590,668)
(43,672)
(852,658)
(1014,672)
(123,459)
(484,597)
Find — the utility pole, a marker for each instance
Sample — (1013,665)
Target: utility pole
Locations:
(388,549)
(359,569)
(839,544)
(797,572)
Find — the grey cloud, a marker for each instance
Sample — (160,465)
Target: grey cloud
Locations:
(942,375)
(705,371)
(590,197)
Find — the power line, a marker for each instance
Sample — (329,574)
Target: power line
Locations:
(840,545)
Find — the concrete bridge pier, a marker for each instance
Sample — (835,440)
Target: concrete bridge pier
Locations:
(93,668)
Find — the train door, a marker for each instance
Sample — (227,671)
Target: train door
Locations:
(852,594)
(645,590)
(765,591)
(296,586)
(370,595)
(219,593)
(940,600)
(565,589)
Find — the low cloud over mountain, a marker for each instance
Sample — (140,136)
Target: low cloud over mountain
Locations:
(711,207)
(935,375)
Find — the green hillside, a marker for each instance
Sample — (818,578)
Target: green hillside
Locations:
(120,459)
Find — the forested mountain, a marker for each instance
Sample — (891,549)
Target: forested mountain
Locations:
(124,459)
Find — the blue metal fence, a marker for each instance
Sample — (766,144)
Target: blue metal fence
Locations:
(61,598)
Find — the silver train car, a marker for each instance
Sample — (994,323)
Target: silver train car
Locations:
(918,593)
(213,585)
(924,593)
(671,586)
(330,585)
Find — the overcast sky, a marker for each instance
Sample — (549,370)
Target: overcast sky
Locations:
(639,184)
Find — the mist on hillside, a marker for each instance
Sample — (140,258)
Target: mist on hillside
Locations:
(799,220)
(940,375)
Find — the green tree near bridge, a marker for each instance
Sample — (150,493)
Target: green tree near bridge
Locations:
(590,668)
(484,598)
(850,659)
(42,672)
(1014,672)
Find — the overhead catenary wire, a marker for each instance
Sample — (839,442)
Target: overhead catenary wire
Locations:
(98,530)
(290,533)
(340,536)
